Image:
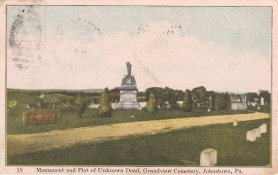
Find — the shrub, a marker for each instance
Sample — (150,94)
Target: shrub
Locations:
(12,105)
(151,105)
(105,109)
(187,101)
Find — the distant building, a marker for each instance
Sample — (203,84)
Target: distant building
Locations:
(250,100)
(238,101)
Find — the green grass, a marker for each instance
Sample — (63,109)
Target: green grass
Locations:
(90,118)
(182,147)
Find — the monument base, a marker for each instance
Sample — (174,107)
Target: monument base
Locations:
(128,105)
(128,100)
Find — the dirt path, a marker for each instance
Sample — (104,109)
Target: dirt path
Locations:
(22,143)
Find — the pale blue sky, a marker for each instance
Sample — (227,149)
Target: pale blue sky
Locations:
(216,24)
(213,46)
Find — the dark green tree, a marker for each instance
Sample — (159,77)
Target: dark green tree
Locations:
(227,101)
(105,109)
(151,105)
(80,105)
(222,101)
(160,94)
(187,101)
(251,96)
(200,98)
(171,98)
(266,95)
(218,101)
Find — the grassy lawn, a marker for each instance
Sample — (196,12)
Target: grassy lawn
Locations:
(180,147)
(90,118)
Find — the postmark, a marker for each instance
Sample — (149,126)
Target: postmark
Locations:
(25,37)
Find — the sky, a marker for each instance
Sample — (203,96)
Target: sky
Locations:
(86,47)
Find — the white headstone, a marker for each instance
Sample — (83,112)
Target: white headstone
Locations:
(262,101)
(208,157)
(251,136)
(258,132)
(235,122)
(263,128)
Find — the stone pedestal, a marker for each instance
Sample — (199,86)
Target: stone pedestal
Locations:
(128,100)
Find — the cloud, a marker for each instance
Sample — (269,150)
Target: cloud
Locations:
(160,53)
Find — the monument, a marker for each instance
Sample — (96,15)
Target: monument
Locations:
(128,92)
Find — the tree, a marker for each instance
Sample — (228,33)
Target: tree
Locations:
(80,105)
(200,98)
(227,101)
(105,109)
(160,95)
(222,101)
(179,95)
(218,105)
(251,96)
(114,95)
(171,98)
(187,101)
(151,105)
(265,95)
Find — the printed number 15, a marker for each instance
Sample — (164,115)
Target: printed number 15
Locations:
(19,170)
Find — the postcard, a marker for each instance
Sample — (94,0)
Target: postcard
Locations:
(138,87)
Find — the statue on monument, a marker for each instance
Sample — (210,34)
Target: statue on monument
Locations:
(128,65)
(128,79)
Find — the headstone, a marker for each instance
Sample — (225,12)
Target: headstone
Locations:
(251,136)
(235,122)
(262,101)
(258,132)
(208,157)
(263,128)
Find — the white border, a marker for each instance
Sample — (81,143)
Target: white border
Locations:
(246,171)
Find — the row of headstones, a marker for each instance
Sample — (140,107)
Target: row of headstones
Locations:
(252,135)
(209,156)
